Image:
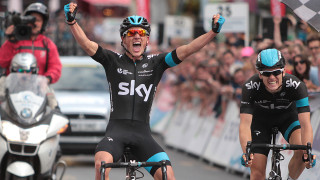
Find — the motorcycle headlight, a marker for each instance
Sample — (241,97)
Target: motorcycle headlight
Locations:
(34,135)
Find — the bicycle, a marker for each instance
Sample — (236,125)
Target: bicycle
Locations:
(132,166)
(275,173)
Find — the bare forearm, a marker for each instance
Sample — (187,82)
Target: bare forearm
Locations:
(245,130)
(276,32)
(195,45)
(87,45)
(306,128)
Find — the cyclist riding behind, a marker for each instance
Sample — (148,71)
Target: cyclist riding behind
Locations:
(272,98)
(133,77)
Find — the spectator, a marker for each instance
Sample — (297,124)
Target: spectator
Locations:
(237,82)
(313,44)
(302,71)
(285,51)
(246,52)
(297,49)
(315,73)
(249,67)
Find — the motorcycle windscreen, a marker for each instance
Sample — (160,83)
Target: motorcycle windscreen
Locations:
(27,96)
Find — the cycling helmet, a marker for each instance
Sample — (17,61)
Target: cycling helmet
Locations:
(41,9)
(24,62)
(134,21)
(270,58)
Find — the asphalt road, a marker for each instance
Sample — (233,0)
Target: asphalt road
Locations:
(185,166)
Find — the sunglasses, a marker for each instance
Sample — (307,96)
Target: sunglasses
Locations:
(299,62)
(314,48)
(24,70)
(268,73)
(133,32)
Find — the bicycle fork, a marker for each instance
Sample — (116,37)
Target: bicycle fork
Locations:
(275,173)
(130,173)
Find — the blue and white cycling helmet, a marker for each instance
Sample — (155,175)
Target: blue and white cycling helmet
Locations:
(134,21)
(270,58)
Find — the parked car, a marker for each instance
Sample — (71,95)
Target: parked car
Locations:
(83,96)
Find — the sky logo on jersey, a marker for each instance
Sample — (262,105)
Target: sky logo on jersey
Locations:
(129,88)
(253,85)
(292,83)
(123,71)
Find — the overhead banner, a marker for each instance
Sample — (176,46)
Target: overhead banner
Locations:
(277,8)
(143,8)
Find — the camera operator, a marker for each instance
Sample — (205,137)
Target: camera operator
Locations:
(25,34)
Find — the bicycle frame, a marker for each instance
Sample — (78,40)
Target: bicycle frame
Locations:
(131,166)
(275,173)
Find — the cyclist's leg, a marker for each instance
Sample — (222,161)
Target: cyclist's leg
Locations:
(98,158)
(261,126)
(258,167)
(110,148)
(145,148)
(291,131)
(296,165)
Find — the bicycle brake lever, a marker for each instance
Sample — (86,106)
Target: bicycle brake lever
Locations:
(248,151)
(309,152)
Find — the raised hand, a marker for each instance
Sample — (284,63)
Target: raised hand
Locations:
(217,22)
(70,11)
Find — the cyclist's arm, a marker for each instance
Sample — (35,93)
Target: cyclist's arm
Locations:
(306,128)
(303,108)
(198,43)
(244,130)
(90,47)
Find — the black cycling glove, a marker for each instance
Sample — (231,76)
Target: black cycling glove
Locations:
(216,27)
(70,16)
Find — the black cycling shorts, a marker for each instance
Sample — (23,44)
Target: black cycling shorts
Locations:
(264,121)
(136,135)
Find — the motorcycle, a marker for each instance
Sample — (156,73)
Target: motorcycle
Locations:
(29,130)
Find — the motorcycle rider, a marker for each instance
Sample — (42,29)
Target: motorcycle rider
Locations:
(24,63)
(28,121)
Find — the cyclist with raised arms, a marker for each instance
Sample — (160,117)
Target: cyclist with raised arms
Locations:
(133,77)
(272,98)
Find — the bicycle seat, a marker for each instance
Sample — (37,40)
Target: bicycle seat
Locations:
(275,130)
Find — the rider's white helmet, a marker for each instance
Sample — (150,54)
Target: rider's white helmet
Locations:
(24,62)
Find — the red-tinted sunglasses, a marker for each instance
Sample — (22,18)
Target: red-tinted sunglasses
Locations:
(133,32)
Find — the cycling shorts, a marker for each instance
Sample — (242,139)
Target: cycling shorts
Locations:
(136,135)
(263,122)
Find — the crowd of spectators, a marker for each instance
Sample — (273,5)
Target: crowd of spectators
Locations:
(214,75)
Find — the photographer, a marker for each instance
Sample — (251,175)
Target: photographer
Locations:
(25,34)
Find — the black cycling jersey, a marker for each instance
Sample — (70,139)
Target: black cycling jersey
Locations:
(133,84)
(292,96)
